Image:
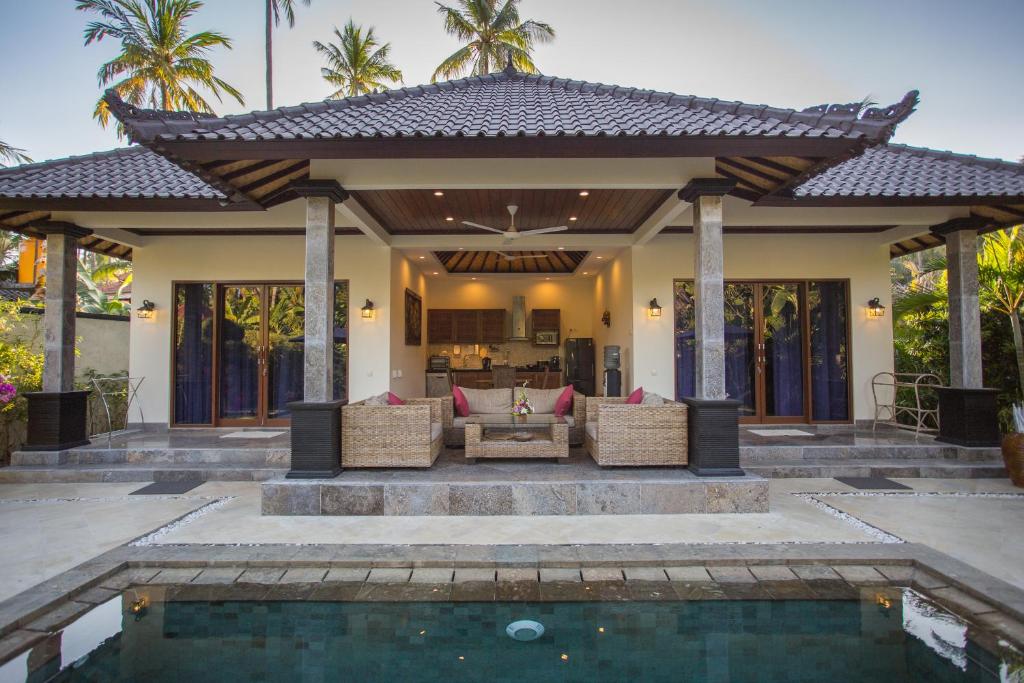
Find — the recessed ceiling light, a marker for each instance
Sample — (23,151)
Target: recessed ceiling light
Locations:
(449,218)
(472,278)
(547,278)
(597,257)
(462,249)
(586,273)
(435,272)
(439,193)
(561,249)
(572,218)
(423,257)
(584,193)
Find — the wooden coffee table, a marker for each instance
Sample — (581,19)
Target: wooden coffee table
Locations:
(513,436)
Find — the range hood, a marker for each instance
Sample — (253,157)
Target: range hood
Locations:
(518,319)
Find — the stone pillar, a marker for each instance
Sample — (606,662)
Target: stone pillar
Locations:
(57,414)
(712,419)
(316,420)
(968,413)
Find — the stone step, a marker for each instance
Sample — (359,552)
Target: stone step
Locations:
(769,455)
(44,474)
(251,457)
(878,468)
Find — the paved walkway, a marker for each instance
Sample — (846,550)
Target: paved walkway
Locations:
(48,528)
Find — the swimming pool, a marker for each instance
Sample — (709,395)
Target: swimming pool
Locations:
(897,636)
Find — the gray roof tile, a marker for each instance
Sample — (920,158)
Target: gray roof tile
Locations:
(902,172)
(510,103)
(128,173)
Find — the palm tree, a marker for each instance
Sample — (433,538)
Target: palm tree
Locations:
(275,8)
(12,155)
(357,64)
(95,270)
(493,36)
(159,64)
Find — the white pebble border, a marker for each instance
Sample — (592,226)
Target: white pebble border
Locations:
(150,538)
(873,531)
(108,499)
(918,494)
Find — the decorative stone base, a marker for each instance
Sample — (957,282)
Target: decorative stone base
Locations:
(56,420)
(969,417)
(316,440)
(714,437)
(482,490)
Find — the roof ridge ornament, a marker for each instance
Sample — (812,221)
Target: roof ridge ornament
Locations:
(510,68)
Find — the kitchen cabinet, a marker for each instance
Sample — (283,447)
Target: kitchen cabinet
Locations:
(439,326)
(466,325)
(546,319)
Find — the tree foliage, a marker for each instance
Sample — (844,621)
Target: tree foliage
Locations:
(357,64)
(492,35)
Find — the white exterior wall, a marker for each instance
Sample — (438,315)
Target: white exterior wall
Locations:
(408,361)
(256,259)
(613,292)
(863,259)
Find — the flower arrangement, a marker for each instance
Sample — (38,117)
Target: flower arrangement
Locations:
(522,405)
(7,391)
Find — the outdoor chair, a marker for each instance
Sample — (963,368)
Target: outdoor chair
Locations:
(409,435)
(617,434)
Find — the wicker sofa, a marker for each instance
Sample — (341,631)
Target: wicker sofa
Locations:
(618,434)
(409,435)
(455,427)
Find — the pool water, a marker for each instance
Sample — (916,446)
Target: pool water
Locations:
(899,638)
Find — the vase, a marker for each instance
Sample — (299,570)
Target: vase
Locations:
(1013,456)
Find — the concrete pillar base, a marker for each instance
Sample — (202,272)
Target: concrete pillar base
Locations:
(57,420)
(714,437)
(316,440)
(969,417)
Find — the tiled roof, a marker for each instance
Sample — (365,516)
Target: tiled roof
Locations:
(131,173)
(511,103)
(899,171)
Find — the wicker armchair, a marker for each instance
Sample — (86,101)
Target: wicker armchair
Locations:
(636,435)
(455,437)
(394,436)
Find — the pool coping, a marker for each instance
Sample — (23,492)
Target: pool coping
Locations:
(985,601)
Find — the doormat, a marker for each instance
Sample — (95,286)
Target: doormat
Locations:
(165,488)
(256,434)
(779,432)
(870,483)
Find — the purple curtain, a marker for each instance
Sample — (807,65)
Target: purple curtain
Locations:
(829,362)
(193,354)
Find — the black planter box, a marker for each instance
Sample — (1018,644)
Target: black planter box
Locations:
(316,440)
(714,436)
(969,417)
(57,420)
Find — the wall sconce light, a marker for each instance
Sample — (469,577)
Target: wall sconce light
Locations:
(606,318)
(876,309)
(147,310)
(654,309)
(367,310)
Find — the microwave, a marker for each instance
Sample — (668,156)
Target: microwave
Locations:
(546,338)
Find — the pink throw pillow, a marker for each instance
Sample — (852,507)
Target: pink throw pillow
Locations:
(394,400)
(636,398)
(564,403)
(461,404)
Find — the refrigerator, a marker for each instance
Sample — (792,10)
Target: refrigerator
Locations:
(579,364)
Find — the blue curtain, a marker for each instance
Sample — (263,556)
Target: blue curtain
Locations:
(784,371)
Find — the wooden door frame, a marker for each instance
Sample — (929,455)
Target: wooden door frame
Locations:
(804,284)
(259,420)
(218,312)
(761,402)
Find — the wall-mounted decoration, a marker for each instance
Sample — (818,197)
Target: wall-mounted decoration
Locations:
(413,318)
(606,318)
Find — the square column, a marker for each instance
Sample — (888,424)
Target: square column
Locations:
(57,414)
(316,420)
(968,413)
(713,419)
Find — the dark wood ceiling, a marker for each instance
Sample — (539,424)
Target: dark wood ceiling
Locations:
(556,262)
(23,221)
(419,212)
(262,181)
(758,176)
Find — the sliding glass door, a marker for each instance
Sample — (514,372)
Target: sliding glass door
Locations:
(238,352)
(786,347)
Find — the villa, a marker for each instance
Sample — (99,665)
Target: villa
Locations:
(279,255)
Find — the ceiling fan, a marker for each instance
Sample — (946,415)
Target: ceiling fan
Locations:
(520,257)
(513,232)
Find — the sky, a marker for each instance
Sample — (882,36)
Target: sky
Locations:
(965,57)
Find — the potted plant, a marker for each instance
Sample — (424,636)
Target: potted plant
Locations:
(1013,447)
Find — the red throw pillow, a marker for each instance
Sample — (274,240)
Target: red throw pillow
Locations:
(394,400)
(461,404)
(564,403)
(636,398)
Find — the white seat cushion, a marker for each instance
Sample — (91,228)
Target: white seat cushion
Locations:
(542,400)
(436,429)
(488,400)
(591,430)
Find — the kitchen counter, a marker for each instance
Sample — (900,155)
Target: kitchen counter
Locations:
(480,379)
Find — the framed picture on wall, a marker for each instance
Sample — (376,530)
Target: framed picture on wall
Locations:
(413,319)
